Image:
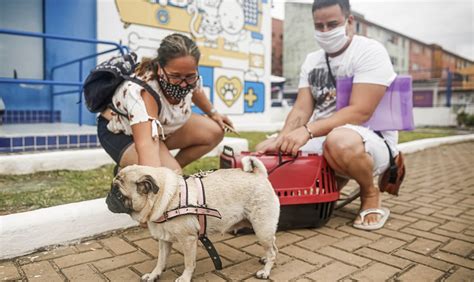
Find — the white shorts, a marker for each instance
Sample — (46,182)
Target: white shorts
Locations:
(374,146)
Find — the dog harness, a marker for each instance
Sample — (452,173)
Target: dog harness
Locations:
(201,210)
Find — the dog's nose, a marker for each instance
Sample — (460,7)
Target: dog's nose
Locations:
(116,205)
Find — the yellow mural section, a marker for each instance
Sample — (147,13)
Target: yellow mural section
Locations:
(229,36)
(143,12)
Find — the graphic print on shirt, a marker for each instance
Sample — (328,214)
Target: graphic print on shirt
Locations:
(323,91)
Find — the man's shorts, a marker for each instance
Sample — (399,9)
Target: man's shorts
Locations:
(374,146)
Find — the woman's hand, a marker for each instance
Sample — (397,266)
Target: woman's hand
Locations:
(222,120)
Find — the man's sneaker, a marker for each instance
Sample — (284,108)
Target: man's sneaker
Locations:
(392,188)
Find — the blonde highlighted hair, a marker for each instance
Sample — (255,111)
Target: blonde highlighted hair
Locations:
(171,47)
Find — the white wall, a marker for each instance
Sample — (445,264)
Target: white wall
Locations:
(437,116)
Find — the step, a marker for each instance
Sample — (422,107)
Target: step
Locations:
(46,136)
(83,159)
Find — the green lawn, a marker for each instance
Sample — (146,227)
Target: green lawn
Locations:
(44,189)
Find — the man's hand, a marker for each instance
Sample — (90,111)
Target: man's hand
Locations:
(268,145)
(290,143)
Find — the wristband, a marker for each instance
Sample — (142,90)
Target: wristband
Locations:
(311,136)
(211,112)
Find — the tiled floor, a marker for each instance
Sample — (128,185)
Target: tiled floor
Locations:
(428,237)
(46,136)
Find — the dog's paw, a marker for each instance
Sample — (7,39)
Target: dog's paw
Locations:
(182,279)
(263,260)
(150,277)
(262,274)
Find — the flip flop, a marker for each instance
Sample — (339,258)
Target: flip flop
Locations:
(384,212)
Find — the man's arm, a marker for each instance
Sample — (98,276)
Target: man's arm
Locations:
(364,99)
(298,116)
(301,111)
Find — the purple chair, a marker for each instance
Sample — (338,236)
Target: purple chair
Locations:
(395,110)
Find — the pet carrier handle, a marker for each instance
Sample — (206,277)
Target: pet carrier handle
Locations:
(280,157)
(281,162)
(228,151)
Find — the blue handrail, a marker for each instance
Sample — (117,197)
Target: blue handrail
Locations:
(50,81)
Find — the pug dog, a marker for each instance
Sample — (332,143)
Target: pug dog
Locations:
(241,196)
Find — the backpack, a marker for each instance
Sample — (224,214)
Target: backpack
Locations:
(103,80)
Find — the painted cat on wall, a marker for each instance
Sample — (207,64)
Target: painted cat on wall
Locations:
(232,20)
(210,27)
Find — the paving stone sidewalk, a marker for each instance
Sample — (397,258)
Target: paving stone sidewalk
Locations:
(429,237)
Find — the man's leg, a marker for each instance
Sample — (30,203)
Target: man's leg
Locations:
(345,152)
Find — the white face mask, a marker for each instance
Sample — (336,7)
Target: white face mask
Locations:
(333,40)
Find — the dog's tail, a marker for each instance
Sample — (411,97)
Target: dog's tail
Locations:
(252,164)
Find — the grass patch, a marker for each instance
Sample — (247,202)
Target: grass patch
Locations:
(44,189)
(407,136)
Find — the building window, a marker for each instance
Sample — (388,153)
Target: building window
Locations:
(416,49)
(393,39)
(358,28)
(27,55)
(394,60)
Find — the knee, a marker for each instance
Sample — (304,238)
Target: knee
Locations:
(339,147)
(215,135)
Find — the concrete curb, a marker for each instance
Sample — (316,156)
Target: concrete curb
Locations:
(25,232)
(423,144)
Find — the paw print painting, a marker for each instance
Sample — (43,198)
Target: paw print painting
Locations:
(228,89)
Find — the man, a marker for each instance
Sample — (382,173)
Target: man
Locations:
(352,150)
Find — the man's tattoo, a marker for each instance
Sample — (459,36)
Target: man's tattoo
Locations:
(295,122)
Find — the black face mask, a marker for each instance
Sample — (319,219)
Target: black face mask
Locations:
(173,90)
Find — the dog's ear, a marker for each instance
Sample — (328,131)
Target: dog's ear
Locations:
(145,184)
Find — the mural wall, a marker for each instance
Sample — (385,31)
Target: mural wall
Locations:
(233,36)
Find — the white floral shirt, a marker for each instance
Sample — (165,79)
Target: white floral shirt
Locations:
(128,100)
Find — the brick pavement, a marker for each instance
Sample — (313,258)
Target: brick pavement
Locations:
(429,237)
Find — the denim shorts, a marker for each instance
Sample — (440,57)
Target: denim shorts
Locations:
(114,144)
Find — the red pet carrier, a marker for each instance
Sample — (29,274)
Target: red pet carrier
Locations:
(305,185)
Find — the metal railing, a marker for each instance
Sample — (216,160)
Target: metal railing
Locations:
(50,81)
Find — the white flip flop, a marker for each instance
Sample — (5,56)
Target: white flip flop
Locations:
(384,212)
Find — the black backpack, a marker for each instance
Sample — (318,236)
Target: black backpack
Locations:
(101,83)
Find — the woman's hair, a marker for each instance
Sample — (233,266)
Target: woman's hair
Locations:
(172,46)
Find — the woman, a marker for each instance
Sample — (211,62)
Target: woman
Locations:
(144,131)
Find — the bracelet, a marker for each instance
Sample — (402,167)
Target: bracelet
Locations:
(311,136)
(211,112)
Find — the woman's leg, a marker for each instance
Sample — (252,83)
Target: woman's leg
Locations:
(198,136)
